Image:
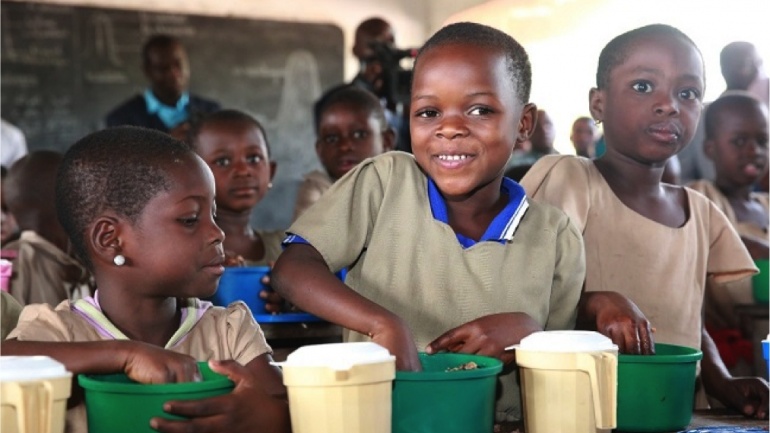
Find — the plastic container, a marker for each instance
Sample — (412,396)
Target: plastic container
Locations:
(761,282)
(33,394)
(340,388)
(766,352)
(6,270)
(568,381)
(244,284)
(437,400)
(116,404)
(656,392)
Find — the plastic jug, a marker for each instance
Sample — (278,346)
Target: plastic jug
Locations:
(340,388)
(568,382)
(34,392)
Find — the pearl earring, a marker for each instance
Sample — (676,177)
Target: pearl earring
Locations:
(119,260)
(269,185)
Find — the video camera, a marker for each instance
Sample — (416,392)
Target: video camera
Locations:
(396,80)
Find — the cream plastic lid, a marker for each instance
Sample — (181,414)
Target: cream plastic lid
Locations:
(566,341)
(25,368)
(337,356)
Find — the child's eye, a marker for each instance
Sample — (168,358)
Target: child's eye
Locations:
(642,87)
(189,222)
(330,139)
(222,162)
(690,94)
(480,111)
(254,159)
(359,135)
(426,113)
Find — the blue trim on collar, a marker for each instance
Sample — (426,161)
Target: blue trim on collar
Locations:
(503,226)
(170,116)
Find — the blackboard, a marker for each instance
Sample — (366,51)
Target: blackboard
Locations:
(64,67)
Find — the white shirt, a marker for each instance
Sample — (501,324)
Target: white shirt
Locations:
(13,145)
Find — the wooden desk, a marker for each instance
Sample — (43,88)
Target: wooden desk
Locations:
(700,419)
(284,338)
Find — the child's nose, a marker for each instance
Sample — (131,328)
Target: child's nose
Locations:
(667,105)
(452,126)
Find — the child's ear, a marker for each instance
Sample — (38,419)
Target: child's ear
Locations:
(104,239)
(527,122)
(273,168)
(596,104)
(388,140)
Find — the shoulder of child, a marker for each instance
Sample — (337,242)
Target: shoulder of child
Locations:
(43,320)
(563,169)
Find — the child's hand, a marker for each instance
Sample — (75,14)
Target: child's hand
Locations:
(146,363)
(488,335)
(248,408)
(274,303)
(233,260)
(397,338)
(748,395)
(618,318)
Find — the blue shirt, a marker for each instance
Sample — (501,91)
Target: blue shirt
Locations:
(170,116)
(501,229)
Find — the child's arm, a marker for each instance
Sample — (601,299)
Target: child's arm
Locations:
(258,403)
(749,395)
(617,317)
(302,276)
(140,361)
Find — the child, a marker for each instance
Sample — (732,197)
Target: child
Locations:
(235,147)
(656,243)
(736,141)
(443,252)
(9,229)
(43,269)
(583,136)
(350,126)
(139,208)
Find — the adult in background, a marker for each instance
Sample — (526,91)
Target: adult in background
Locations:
(166,105)
(741,68)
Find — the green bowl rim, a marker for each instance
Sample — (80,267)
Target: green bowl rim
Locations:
(693,356)
(492,367)
(92,383)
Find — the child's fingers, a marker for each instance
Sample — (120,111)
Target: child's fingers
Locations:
(449,340)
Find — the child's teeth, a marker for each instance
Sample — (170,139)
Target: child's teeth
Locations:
(452,157)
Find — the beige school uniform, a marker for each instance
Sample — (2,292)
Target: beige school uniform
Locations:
(206,333)
(719,308)
(662,269)
(313,186)
(377,221)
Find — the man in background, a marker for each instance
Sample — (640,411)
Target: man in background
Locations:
(166,105)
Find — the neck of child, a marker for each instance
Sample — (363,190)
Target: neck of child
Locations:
(732,191)
(234,223)
(152,320)
(472,215)
(628,176)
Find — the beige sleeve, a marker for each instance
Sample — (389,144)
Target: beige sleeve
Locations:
(728,258)
(339,225)
(39,322)
(10,309)
(561,181)
(569,274)
(244,336)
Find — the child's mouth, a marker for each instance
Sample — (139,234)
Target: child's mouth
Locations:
(453,161)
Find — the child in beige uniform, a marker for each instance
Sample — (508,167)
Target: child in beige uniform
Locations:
(444,253)
(654,242)
(139,208)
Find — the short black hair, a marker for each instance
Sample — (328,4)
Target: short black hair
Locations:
(467,33)
(120,169)
(729,102)
(225,115)
(161,40)
(354,95)
(617,50)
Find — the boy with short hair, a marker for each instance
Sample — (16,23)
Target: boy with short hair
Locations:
(443,252)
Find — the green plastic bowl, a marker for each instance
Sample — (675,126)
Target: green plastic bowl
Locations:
(116,404)
(656,392)
(436,400)
(761,282)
